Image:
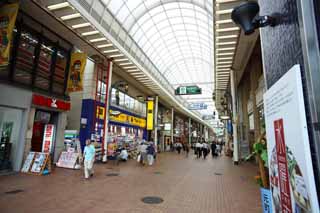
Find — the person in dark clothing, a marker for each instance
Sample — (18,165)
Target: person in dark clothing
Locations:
(187,149)
(213,149)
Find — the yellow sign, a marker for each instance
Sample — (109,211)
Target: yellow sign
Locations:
(8,15)
(127,119)
(100,112)
(150,115)
(77,64)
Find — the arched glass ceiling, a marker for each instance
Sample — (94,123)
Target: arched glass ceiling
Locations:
(177,35)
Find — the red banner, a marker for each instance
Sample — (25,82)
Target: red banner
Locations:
(53,103)
(285,197)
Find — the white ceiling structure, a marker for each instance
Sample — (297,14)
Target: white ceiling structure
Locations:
(176,35)
(161,43)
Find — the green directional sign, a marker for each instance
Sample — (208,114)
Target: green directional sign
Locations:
(188,90)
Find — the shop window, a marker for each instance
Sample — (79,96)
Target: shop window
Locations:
(25,58)
(44,64)
(113,96)
(59,72)
(121,99)
(102,90)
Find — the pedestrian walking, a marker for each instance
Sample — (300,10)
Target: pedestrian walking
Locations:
(186,149)
(89,157)
(143,153)
(150,153)
(198,149)
(218,149)
(213,149)
(205,150)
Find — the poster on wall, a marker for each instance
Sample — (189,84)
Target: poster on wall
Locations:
(48,138)
(8,15)
(77,64)
(292,181)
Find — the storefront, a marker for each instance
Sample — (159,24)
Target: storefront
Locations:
(126,129)
(14,110)
(48,119)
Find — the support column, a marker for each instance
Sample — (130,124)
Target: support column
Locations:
(156,123)
(189,131)
(106,120)
(172,124)
(234,119)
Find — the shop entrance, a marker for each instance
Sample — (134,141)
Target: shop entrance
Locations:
(10,128)
(41,120)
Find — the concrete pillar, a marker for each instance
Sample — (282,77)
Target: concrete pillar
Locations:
(106,124)
(235,119)
(156,102)
(172,124)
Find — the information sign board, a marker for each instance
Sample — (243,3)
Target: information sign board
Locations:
(292,181)
(188,90)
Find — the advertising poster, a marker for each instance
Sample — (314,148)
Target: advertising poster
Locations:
(77,64)
(39,162)
(48,138)
(150,106)
(8,15)
(292,183)
(68,160)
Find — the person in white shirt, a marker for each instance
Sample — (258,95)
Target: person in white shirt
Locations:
(143,152)
(205,150)
(198,149)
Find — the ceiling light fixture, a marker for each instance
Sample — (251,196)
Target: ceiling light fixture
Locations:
(222,54)
(226,58)
(226,43)
(104,45)
(225,49)
(121,59)
(221,12)
(77,26)
(228,29)
(58,6)
(98,39)
(226,37)
(129,67)
(94,32)
(127,63)
(71,16)
(111,51)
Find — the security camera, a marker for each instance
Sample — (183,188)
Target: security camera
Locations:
(246,15)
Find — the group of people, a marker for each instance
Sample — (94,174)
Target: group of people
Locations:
(147,153)
(202,149)
(182,146)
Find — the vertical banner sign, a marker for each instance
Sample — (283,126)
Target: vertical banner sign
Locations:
(292,183)
(150,106)
(75,79)
(266,200)
(48,138)
(8,15)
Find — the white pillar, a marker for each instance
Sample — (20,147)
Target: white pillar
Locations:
(189,131)
(106,122)
(172,124)
(156,123)
(234,121)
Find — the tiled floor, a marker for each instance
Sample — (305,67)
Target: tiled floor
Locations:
(187,185)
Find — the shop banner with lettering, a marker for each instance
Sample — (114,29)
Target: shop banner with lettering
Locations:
(150,106)
(292,181)
(48,138)
(77,65)
(8,15)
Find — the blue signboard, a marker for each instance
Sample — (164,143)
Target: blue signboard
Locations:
(266,200)
(197,106)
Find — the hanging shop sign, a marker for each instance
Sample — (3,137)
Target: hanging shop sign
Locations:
(126,119)
(77,65)
(100,112)
(150,108)
(291,172)
(188,90)
(197,106)
(8,15)
(48,138)
(43,101)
